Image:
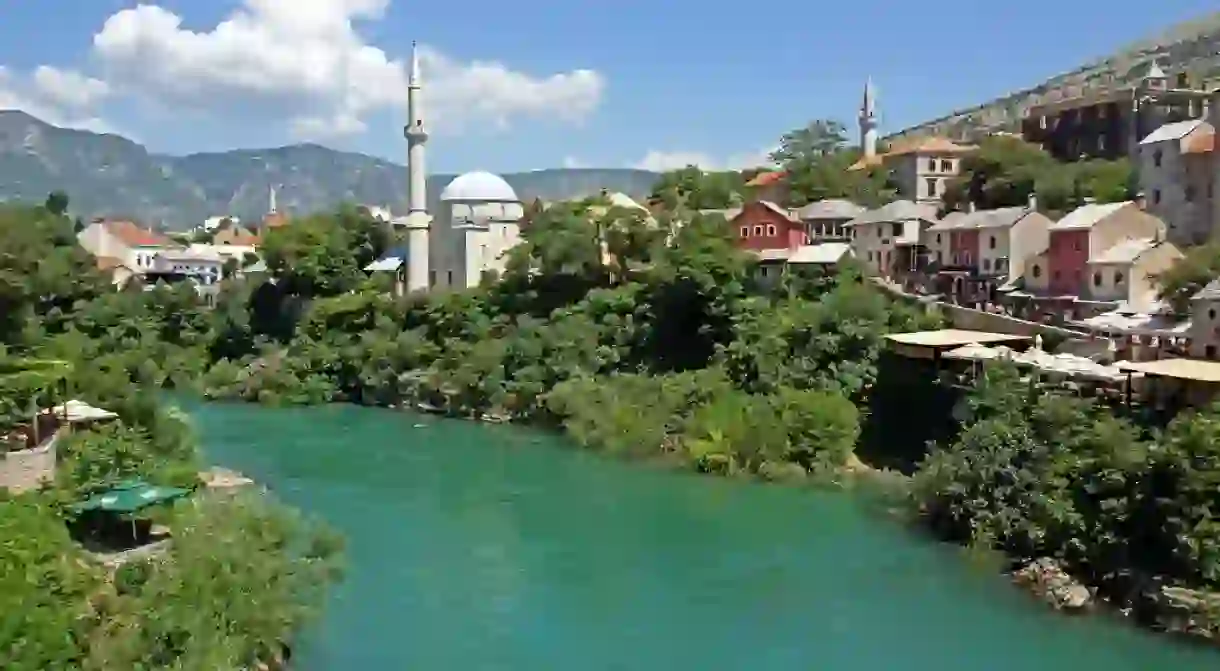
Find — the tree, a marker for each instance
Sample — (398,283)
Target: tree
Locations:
(819,138)
(1186,277)
(57,203)
(1005,171)
(698,190)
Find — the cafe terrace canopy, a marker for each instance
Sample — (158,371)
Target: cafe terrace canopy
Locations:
(130,497)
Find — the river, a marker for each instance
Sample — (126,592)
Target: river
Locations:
(475,548)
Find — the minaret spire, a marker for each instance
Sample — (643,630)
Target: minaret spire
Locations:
(418,220)
(868,121)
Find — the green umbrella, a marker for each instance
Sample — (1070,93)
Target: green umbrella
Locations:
(130,496)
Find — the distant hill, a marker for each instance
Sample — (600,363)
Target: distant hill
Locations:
(109,175)
(1191,48)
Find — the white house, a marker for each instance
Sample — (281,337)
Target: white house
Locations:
(120,243)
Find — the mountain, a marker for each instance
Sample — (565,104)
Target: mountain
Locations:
(109,175)
(1191,48)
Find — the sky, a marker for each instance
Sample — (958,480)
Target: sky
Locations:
(531,84)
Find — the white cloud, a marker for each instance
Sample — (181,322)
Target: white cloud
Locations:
(661,161)
(306,60)
(69,88)
(60,97)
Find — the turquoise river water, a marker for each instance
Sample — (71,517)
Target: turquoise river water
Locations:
(477,548)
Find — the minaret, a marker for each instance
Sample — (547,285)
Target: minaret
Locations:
(271,208)
(418,220)
(868,121)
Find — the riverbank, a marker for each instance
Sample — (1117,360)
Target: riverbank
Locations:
(473,546)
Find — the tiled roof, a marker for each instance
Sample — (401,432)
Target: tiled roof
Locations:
(819,254)
(274,220)
(1172,131)
(767,178)
(918,145)
(1125,251)
(1200,143)
(928,145)
(833,208)
(997,218)
(1211,292)
(1085,216)
(899,210)
(132,235)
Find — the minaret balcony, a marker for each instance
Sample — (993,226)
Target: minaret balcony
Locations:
(416,132)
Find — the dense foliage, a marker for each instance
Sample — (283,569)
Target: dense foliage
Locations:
(240,575)
(1039,474)
(1005,170)
(641,336)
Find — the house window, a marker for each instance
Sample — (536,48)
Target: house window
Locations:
(449,277)
(1156,196)
(1101,142)
(870,257)
(1209,351)
(986,264)
(1055,276)
(1097,279)
(1076,245)
(938,238)
(431,278)
(771,230)
(1118,277)
(931,165)
(938,257)
(1156,158)
(1037,270)
(931,187)
(1211,314)
(1000,264)
(1189,192)
(946,166)
(991,242)
(758,230)
(745,231)
(896,231)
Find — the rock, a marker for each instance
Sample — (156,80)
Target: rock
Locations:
(1188,611)
(1047,579)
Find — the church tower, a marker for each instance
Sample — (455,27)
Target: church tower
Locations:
(418,220)
(868,121)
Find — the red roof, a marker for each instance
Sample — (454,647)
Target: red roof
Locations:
(767,178)
(133,235)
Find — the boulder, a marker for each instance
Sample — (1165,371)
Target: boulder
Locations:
(1047,579)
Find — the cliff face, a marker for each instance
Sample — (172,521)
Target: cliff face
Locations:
(1192,48)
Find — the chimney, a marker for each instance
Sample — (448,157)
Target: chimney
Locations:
(1141,201)
(970,206)
(1032,201)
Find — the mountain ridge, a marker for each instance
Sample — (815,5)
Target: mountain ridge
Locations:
(106,174)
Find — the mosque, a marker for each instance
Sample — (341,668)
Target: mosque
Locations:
(479,217)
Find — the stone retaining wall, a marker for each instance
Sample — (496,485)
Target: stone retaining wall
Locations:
(24,470)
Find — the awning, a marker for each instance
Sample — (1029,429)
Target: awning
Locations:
(129,497)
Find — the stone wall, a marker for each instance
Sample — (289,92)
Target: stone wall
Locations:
(25,469)
(1192,48)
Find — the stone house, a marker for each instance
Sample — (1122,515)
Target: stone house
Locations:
(920,168)
(122,243)
(1176,174)
(890,239)
(986,247)
(1115,238)
(826,220)
(1204,333)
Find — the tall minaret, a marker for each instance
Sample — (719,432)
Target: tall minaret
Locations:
(418,220)
(868,121)
(271,206)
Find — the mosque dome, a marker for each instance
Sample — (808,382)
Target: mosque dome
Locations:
(479,186)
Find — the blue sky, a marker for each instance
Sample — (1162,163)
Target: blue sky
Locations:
(552,83)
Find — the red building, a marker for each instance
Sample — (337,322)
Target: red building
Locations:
(765,225)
